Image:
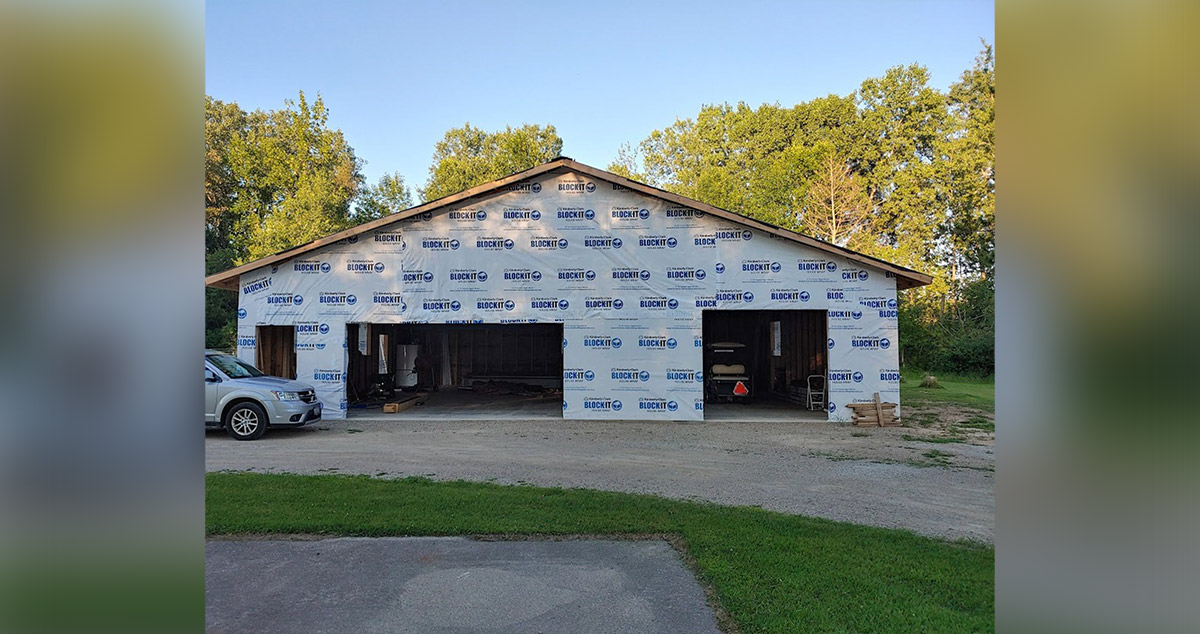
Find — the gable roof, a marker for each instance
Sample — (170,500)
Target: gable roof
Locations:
(905,277)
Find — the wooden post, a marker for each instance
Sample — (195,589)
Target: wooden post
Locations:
(878,409)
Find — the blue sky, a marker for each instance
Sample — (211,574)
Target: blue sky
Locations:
(396,76)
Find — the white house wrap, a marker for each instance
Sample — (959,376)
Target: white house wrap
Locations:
(627,270)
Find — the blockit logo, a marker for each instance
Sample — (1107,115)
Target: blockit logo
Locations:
(327,376)
(870,343)
(889,376)
(682,213)
(885,307)
(494,304)
(394,240)
(657,242)
(440,244)
(599,342)
(522,275)
(393,300)
(855,275)
(842,377)
(467,215)
(334,298)
(816,266)
(657,342)
(467,275)
(312,345)
(548,303)
(656,405)
(728,234)
(308,328)
(365,266)
(789,295)
(416,277)
(574,213)
(311,267)
(247,342)
(602,242)
(575,187)
(734,296)
(598,404)
(256,286)
(574,275)
(577,375)
(629,375)
(284,299)
(684,376)
(494,243)
(547,243)
(626,214)
(525,188)
(441,305)
(657,302)
(602,303)
(685,274)
(520,214)
(241,313)
(759,267)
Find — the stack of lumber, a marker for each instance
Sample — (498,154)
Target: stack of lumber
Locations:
(415,399)
(874,414)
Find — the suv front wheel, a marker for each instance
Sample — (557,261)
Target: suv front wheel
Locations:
(246,421)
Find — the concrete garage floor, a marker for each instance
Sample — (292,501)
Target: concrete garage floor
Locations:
(452,404)
(433,585)
(766,410)
(467,405)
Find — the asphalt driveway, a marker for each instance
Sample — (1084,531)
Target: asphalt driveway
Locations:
(432,585)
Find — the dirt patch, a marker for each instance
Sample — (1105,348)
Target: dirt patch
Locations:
(934,435)
(945,422)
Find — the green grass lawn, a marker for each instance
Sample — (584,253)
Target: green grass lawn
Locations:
(771,572)
(973,392)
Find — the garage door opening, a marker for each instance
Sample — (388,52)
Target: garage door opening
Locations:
(765,364)
(455,371)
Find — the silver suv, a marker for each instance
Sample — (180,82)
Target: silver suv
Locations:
(243,400)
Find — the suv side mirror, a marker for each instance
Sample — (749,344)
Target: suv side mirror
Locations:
(210,377)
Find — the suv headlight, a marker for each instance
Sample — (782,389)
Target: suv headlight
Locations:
(287,396)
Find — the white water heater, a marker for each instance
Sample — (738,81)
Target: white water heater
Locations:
(406,361)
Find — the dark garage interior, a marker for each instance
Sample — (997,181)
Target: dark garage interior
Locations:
(783,348)
(455,367)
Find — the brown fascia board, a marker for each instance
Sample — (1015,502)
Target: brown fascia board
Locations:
(905,278)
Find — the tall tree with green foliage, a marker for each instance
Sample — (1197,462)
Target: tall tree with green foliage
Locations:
(273,180)
(469,156)
(386,197)
(970,169)
(921,163)
(301,177)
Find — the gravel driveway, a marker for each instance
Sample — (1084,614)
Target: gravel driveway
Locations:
(816,468)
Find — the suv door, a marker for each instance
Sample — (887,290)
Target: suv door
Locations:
(211,394)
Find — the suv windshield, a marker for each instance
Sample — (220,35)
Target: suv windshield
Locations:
(233,367)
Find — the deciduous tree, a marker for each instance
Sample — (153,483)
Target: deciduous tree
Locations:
(469,156)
